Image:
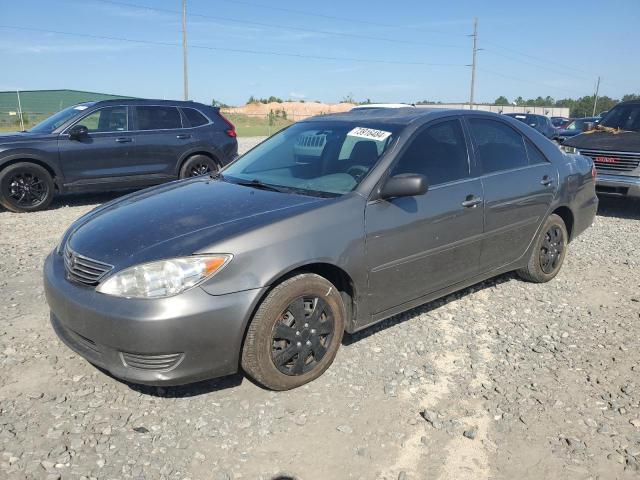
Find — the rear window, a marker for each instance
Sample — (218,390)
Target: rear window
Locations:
(196,119)
(624,117)
(500,147)
(158,118)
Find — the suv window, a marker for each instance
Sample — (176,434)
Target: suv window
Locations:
(158,118)
(624,117)
(500,147)
(107,119)
(438,152)
(196,119)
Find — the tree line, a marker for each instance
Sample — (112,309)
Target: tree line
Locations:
(578,107)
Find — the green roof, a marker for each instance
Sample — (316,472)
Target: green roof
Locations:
(48,101)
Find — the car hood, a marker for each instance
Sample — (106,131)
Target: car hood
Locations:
(177,219)
(620,142)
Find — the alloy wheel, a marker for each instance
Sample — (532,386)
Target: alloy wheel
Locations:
(26,189)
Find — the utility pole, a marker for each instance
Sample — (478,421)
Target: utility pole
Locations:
(595,98)
(473,64)
(20,111)
(184,50)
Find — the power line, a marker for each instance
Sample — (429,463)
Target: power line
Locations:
(510,77)
(513,59)
(344,19)
(232,50)
(280,26)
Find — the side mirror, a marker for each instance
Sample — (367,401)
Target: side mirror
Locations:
(77,132)
(404,185)
(588,126)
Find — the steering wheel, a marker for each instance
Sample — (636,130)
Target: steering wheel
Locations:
(357,171)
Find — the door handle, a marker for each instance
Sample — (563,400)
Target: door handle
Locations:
(124,139)
(472,201)
(546,181)
(183,136)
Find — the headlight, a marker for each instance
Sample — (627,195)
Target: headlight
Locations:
(163,278)
(568,149)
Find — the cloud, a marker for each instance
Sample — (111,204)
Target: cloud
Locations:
(38,48)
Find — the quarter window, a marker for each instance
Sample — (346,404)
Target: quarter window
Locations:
(158,118)
(438,152)
(196,119)
(108,119)
(535,156)
(499,146)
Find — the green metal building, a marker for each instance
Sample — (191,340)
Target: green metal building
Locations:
(39,104)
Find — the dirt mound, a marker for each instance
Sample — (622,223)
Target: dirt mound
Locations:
(294,110)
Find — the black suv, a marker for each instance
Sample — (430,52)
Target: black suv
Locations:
(109,145)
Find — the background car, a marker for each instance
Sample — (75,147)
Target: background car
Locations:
(560,122)
(576,127)
(614,146)
(539,122)
(109,145)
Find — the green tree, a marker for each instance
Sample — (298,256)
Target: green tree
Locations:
(501,100)
(520,101)
(630,96)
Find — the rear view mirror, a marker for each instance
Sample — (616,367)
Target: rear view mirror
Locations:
(587,126)
(78,131)
(404,185)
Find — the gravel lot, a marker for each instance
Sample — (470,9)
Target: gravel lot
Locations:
(503,380)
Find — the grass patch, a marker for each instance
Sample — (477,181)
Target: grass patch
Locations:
(248,126)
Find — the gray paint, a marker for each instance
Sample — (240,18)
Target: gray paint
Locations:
(397,253)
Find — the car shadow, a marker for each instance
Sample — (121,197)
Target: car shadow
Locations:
(86,199)
(626,208)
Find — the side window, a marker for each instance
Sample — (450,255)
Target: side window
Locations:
(196,119)
(499,146)
(108,119)
(438,152)
(535,156)
(158,118)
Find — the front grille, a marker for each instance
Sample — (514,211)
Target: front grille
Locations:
(613,161)
(83,270)
(152,362)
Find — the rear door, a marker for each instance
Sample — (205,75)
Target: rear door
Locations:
(103,153)
(418,245)
(519,186)
(161,138)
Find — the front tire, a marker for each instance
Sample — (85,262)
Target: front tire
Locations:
(25,187)
(548,254)
(198,165)
(295,333)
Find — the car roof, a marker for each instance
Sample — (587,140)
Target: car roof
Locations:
(395,116)
(145,101)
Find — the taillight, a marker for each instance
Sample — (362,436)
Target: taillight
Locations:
(231,131)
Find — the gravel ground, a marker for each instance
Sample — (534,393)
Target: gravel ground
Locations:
(502,380)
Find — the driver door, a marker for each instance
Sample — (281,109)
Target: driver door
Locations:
(103,153)
(419,245)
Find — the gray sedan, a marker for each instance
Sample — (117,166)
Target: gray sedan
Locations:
(332,225)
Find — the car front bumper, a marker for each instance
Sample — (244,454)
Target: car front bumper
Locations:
(618,185)
(170,341)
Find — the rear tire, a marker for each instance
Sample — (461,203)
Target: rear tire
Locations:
(548,253)
(198,165)
(295,333)
(25,187)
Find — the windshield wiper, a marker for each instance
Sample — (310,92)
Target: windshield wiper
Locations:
(255,183)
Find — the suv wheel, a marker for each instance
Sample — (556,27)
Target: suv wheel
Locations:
(198,165)
(295,333)
(25,187)
(549,252)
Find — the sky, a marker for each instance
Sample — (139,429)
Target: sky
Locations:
(402,51)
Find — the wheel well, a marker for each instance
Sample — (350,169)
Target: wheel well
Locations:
(567,216)
(35,162)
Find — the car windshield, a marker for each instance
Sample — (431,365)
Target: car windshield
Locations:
(314,158)
(60,118)
(624,117)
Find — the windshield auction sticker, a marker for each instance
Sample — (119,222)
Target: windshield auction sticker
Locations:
(369,133)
